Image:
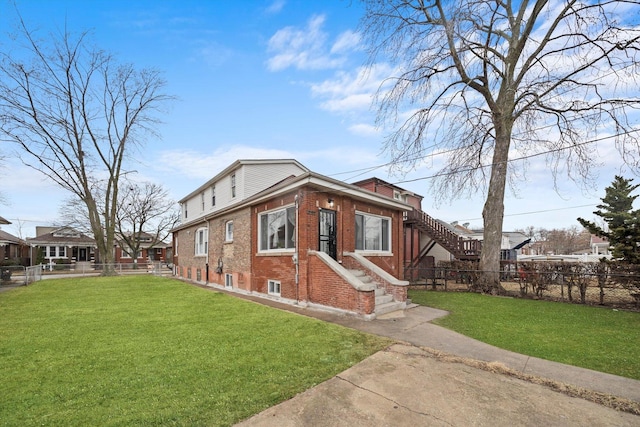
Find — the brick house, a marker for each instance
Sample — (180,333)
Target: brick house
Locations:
(13,250)
(150,250)
(427,241)
(63,245)
(273,228)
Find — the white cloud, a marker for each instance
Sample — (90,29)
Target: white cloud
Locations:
(356,102)
(306,48)
(347,41)
(351,92)
(364,129)
(275,7)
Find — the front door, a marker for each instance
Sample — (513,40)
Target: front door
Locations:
(328,233)
(82,254)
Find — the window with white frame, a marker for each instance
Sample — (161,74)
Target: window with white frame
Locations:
(186,213)
(213,195)
(126,253)
(55,251)
(228,280)
(399,196)
(233,185)
(277,229)
(228,231)
(202,238)
(202,201)
(373,233)
(273,287)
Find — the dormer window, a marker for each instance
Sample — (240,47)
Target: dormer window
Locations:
(66,233)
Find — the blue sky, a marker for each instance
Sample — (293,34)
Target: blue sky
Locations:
(259,79)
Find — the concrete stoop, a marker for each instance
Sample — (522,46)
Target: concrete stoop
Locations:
(384,302)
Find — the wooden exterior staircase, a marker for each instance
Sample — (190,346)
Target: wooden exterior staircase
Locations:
(461,248)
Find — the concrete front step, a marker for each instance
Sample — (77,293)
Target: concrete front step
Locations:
(389,307)
(383,299)
(384,302)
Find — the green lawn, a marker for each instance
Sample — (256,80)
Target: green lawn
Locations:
(597,338)
(151,351)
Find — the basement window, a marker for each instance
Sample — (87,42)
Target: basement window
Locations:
(273,287)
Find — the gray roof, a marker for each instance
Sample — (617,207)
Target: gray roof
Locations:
(51,239)
(10,238)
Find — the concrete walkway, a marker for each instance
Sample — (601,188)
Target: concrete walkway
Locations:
(409,384)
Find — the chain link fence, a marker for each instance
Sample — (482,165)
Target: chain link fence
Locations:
(17,275)
(601,283)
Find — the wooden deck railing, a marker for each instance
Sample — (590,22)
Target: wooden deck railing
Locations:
(461,248)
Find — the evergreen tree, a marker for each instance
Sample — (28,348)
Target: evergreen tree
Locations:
(623,223)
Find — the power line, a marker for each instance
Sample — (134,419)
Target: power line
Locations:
(438,175)
(536,212)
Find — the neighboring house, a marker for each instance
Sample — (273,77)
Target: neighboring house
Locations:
(427,241)
(149,250)
(275,229)
(599,245)
(511,244)
(63,245)
(13,249)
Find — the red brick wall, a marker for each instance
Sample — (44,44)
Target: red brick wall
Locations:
(278,265)
(317,282)
(144,256)
(391,263)
(326,287)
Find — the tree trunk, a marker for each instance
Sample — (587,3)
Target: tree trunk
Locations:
(493,213)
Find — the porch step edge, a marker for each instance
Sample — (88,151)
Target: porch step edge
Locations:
(383,299)
(389,307)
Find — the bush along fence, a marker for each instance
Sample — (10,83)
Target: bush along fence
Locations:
(608,283)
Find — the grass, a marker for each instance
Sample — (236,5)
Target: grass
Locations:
(596,338)
(144,350)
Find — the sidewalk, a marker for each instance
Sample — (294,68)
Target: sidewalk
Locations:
(407,384)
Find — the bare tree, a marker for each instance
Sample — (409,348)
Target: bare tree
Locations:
(3,198)
(485,82)
(75,114)
(145,217)
(559,240)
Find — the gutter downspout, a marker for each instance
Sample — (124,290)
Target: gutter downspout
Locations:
(295,254)
(206,280)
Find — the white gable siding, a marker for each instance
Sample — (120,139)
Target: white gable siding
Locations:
(251,178)
(259,177)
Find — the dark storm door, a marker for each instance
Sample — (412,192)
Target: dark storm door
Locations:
(82,255)
(328,233)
